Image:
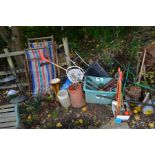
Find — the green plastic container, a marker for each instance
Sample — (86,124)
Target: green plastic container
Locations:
(97,96)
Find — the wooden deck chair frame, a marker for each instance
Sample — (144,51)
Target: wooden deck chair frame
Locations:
(29,40)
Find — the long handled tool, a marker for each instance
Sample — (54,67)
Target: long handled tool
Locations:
(46,61)
(141,69)
(74,73)
(127,73)
(119,91)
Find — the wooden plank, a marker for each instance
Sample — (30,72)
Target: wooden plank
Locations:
(8,73)
(7,124)
(56,58)
(36,48)
(27,75)
(9,59)
(7,110)
(13,86)
(7,106)
(28,72)
(30,40)
(10,114)
(4,55)
(7,119)
(42,38)
(66,48)
(61,45)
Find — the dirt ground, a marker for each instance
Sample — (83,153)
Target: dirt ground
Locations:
(89,116)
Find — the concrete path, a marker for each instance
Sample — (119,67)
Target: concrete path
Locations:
(112,125)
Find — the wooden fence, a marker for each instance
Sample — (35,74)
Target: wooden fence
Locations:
(9,56)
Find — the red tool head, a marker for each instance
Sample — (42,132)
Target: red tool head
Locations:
(126,113)
(44,61)
(42,57)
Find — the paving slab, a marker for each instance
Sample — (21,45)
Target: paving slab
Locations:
(112,125)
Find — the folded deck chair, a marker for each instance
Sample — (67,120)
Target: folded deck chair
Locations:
(41,76)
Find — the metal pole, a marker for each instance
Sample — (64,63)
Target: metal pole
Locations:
(81,59)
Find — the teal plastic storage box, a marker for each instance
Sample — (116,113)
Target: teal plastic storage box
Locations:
(97,96)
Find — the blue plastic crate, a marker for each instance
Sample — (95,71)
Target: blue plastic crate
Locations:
(97,96)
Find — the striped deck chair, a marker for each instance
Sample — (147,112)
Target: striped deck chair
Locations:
(48,52)
(41,76)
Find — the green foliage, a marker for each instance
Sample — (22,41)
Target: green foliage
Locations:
(97,39)
(134,47)
(29,111)
(36,103)
(150,78)
(54,114)
(77,33)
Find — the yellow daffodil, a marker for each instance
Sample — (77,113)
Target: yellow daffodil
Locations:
(84,109)
(148,112)
(59,125)
(29,117)
(137,108)
(151,125)
(137,117)
(81,121)
(135,111)
(49,115)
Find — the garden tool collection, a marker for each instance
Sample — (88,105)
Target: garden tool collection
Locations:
(75,74)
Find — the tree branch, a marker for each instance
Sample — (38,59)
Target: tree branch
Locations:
(5,34)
